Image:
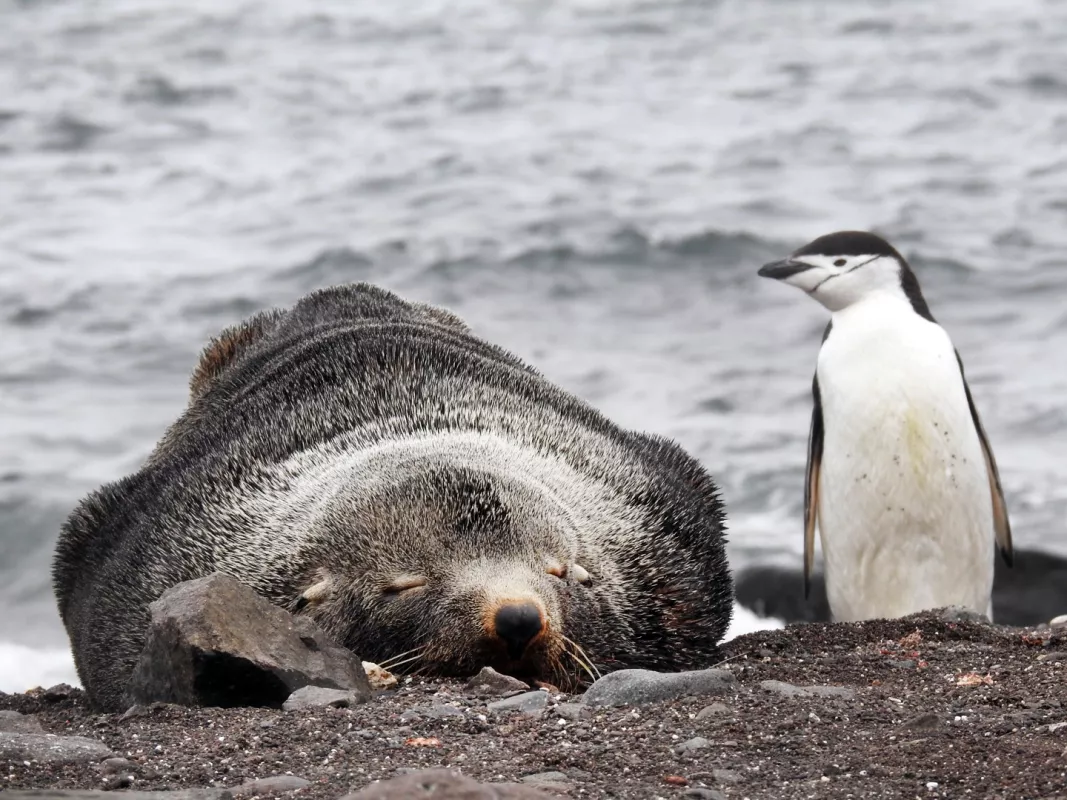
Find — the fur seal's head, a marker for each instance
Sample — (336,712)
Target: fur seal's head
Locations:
(447,569)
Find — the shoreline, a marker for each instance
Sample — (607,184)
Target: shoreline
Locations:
(931,705)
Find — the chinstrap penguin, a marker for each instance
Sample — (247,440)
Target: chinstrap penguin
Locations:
(900,474)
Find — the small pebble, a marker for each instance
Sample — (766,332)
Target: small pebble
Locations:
(275,784)
(312,696)
(714,710)
(118,782)
(111,766)
(1056,655)
(489,681)
(527,702)
(378,677)
(726,776)
(545,777)
(571,711)
(692,745)
(704,793)
(784,689)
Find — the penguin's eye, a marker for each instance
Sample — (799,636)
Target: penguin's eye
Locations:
(840,262)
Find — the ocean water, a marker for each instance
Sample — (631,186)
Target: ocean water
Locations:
(590,184)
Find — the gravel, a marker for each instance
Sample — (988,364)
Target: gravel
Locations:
(980,715)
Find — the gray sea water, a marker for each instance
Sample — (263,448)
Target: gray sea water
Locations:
(591,184)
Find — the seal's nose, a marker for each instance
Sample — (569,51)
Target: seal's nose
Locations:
(517,625)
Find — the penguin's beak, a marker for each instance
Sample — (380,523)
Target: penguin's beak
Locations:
(780,270)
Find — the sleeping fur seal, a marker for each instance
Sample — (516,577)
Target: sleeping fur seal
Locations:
(369,462)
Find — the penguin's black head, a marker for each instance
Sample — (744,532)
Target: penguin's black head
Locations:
(842,268)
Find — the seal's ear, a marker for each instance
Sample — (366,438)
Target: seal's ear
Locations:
(224,350)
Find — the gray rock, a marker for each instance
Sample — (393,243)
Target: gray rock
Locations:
(430,712)
(489,681)
(959,614)
(726,776)
(93,794)
(704,793)
(1055,655)
(46,748)
(319,696)
(784,689)
(692,745)
(545,777)
(14,722)
(527,702)
(215,642)
(276,784)
(571,711)
(844,692)
(714,710)
(638,686)
(444,784)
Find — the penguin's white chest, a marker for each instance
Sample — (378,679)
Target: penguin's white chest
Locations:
(905,511)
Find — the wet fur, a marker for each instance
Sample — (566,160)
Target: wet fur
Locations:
(356,437)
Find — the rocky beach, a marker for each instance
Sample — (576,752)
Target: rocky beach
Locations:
(935,705)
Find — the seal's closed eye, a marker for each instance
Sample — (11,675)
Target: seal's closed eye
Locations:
(403,584)
(580,574)
(315,593)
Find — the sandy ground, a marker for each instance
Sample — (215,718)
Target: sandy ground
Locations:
(930,708)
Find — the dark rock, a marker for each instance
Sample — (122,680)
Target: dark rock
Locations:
(527,702)
(489,681)
(14,722)
(922,722)
(273,785)
(114,782)
(1031,592)
(57,693)
(637,686)
(215,642)
(47,748)
(443,784)
(316,696)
